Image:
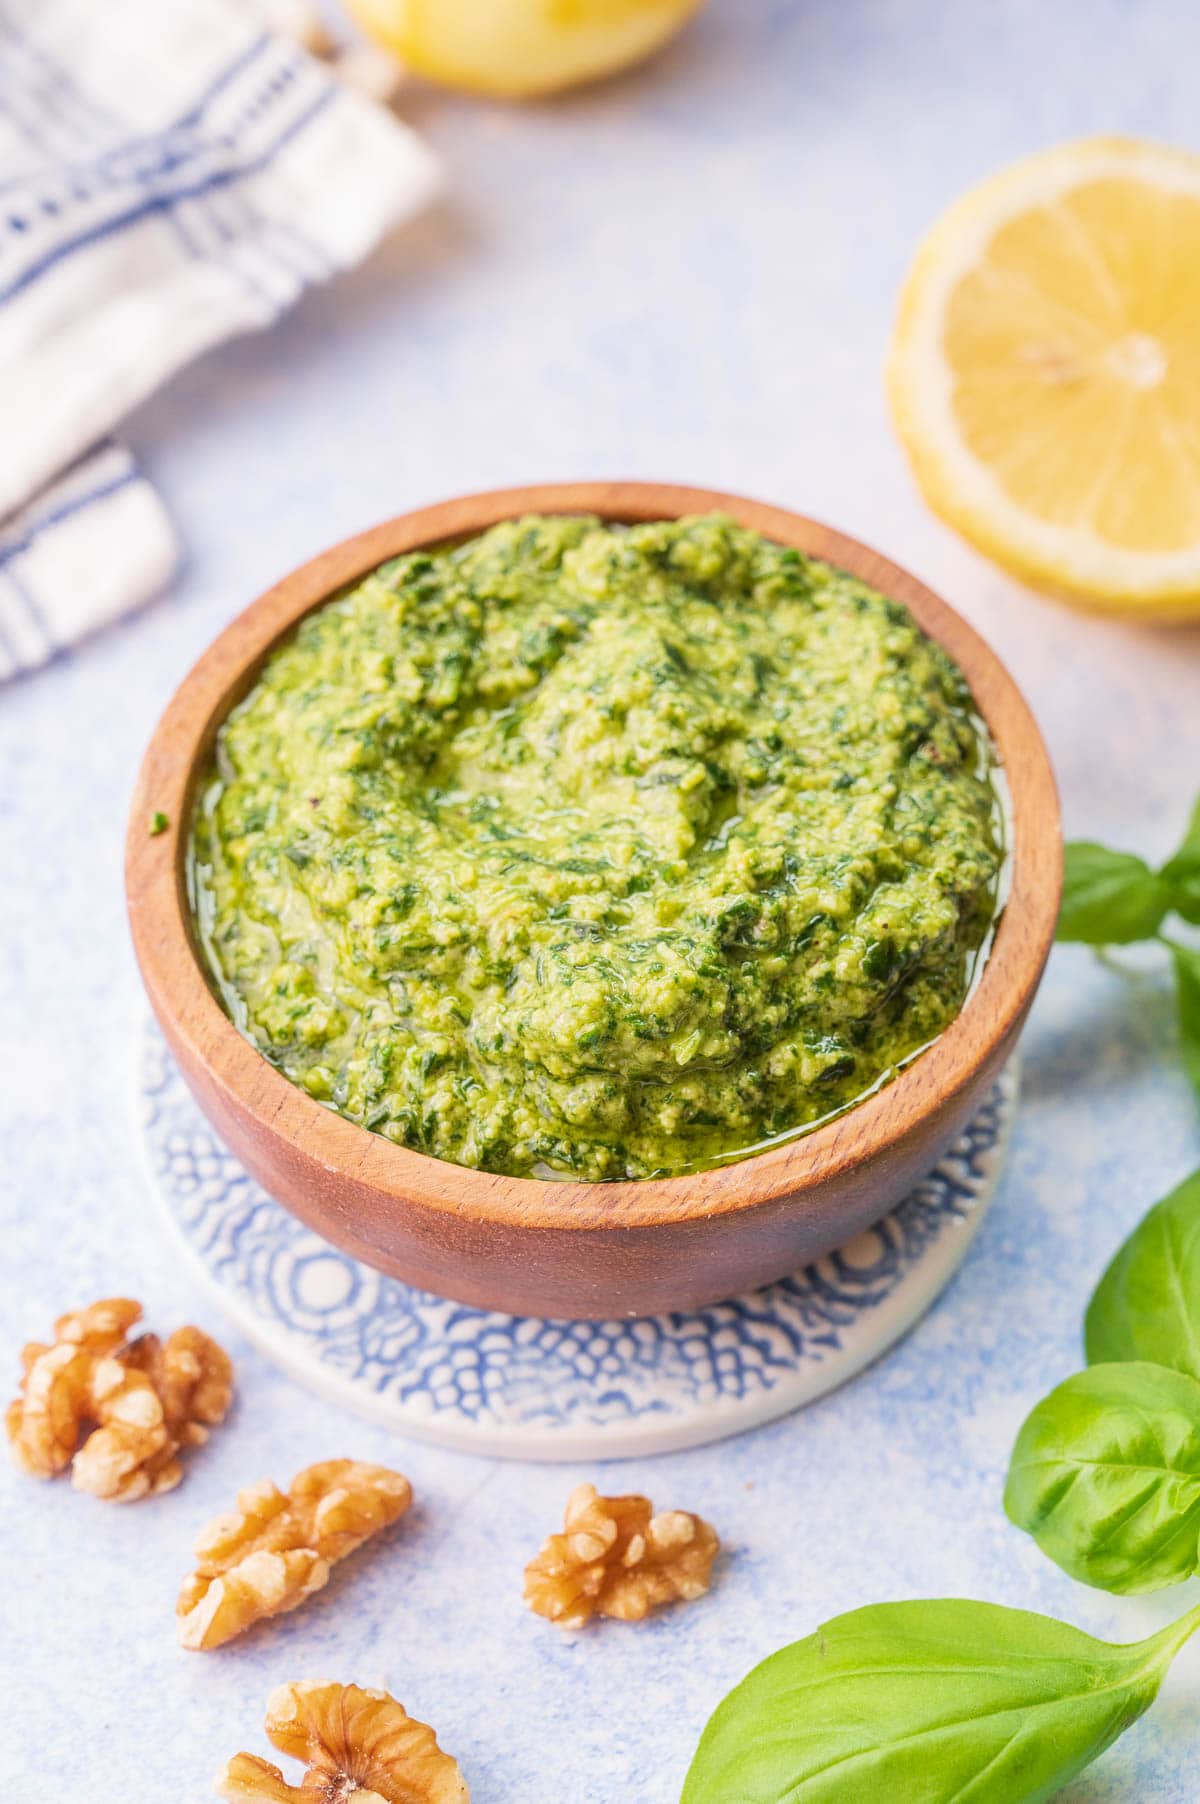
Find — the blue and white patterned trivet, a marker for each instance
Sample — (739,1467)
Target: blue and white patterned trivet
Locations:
(527,1389)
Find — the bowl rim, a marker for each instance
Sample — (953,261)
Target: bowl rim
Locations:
(171,963)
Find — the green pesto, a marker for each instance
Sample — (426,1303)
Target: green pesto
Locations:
(583,851)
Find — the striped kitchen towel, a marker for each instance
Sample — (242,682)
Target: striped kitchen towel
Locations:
(169,176)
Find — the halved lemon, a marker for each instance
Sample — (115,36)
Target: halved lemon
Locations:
(1044,373)
(520,48)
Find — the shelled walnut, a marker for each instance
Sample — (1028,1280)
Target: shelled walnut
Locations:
(356,1745)
(143,1401)
(614,1558)
(275,1549)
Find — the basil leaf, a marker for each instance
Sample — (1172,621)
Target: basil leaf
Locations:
(1187,989)
(1181,873)
(1147,1304)
(1105,1476)
(940,1701)
(1109,898)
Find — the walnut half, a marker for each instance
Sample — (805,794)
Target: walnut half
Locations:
(275,1549)
(45,1422)
(143,1401)
(614,1558)
(359,1747)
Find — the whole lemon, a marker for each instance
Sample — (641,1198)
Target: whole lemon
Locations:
(518,49)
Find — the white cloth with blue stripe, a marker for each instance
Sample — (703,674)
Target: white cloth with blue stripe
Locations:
(169,176)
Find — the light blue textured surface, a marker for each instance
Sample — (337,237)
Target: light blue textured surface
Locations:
(688,275)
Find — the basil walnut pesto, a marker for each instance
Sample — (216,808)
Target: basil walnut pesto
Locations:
(598,852)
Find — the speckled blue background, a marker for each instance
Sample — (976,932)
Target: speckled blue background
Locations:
(689,275)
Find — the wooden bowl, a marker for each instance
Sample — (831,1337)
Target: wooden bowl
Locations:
(579,1249)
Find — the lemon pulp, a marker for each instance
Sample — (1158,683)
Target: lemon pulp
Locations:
(1045,372)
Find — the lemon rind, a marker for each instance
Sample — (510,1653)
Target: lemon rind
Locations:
(407,36)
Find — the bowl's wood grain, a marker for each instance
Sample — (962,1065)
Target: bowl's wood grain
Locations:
(579,1249)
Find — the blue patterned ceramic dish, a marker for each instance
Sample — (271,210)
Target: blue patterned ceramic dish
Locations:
(518,1387)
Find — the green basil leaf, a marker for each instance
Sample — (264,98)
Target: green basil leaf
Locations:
(1187,989)
(936,1701)
(1147,1304)
(1109,898)
(1105,1476)
(1181,873)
